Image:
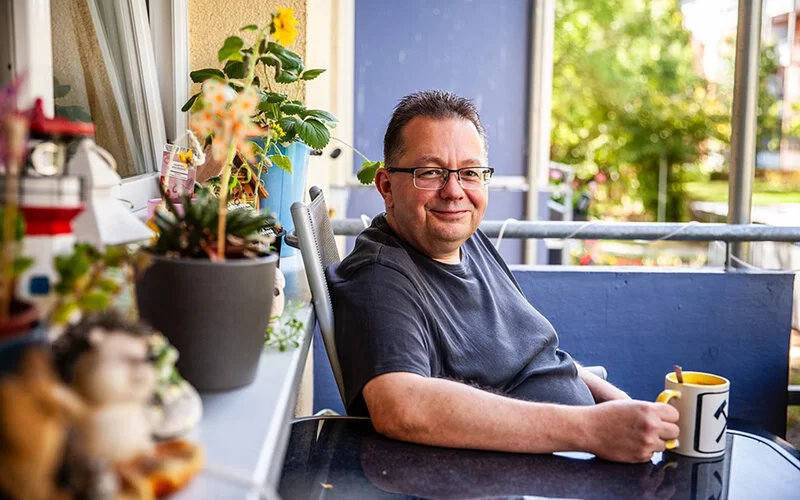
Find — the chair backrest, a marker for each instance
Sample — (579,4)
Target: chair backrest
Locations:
(316,242)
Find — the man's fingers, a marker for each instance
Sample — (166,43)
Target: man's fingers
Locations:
(667,412)
(668,431)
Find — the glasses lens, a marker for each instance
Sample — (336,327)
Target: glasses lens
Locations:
(433,178)
(429,177)
(474,178)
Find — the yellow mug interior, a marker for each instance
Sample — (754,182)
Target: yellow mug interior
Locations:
(698,379)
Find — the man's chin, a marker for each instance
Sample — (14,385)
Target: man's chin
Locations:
(453,232)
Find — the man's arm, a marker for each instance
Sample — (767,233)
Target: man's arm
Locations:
(602,390)
(444,413)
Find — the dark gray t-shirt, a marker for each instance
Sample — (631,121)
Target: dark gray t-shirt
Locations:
(398,310)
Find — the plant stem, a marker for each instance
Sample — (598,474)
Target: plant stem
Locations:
(359,153)
(16,127)
(222,211)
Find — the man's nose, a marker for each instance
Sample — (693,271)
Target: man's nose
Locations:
(451,188)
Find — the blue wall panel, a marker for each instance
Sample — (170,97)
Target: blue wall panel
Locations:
(478,49)
(639,322)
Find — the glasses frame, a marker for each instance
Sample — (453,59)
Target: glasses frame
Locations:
(449,171)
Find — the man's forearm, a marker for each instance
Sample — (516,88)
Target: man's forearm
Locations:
(601,390)
(450,414)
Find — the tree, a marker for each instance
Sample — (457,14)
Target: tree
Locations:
(627,97)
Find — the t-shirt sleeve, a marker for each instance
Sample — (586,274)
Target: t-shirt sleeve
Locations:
(379,328)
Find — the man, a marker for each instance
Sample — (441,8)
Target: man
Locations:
(436,341)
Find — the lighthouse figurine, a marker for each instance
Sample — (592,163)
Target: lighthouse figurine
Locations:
(49,200)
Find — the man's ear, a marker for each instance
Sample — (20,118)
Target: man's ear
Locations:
(384,185)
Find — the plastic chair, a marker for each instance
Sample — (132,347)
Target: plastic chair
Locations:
(314,237)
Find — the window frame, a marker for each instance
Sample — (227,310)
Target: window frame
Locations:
(158,50)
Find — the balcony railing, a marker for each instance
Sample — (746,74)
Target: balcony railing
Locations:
(668,231)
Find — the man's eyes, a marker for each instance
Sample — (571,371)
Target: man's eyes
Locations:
(471,173)
(429,172)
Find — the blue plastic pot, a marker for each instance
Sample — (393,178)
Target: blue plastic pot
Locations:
(285,188)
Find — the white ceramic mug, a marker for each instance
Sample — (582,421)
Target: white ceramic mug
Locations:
(703,402)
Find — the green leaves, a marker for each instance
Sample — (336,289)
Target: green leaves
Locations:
(286,76)
(201,75)
(288,59)
(366,174)
(289,126)
(89,280)
(230,49)
(626,97)
(282,161)
(310,74)
(313,132)
(188,104)
(292,107)
(94,301)
(235,69)
(194,235)
(323,116)
(249,27)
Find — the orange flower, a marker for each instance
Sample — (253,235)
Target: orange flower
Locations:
(226,116)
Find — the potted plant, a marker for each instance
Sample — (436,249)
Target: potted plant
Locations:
(286,129)
(214,308)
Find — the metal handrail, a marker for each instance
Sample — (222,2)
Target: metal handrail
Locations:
(673,231)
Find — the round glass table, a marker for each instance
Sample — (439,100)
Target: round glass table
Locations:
(343,457)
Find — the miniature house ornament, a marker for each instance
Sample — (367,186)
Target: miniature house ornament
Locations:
(50,198)
(105,220)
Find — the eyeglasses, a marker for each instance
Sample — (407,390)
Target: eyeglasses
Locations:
(435,178)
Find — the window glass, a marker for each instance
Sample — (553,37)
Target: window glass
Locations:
(97,77)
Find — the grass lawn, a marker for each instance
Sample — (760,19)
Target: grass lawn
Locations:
(764,192)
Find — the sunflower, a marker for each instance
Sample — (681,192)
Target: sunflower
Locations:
(283,26)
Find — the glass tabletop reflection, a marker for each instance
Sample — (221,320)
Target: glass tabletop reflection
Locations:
(346,458)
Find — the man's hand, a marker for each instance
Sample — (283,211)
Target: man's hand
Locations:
(629,431)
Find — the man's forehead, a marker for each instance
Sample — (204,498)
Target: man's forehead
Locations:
(426,139)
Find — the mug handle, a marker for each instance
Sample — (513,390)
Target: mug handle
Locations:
(665,397)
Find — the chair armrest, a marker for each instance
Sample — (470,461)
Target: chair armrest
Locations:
(291,239)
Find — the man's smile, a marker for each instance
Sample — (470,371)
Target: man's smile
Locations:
(449,213)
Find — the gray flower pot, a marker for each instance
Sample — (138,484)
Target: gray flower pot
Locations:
(214,313)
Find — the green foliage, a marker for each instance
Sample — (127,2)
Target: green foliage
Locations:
(19,264)
(90,280)
(194,234)
(366,174)
(626,97)
(288,333)
(274,67)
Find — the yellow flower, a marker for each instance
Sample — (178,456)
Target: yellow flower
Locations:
(277,131)
(283,26)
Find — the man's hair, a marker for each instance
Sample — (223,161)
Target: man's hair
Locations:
(435,104)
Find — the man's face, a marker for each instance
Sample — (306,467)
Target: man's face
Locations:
(435,222)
